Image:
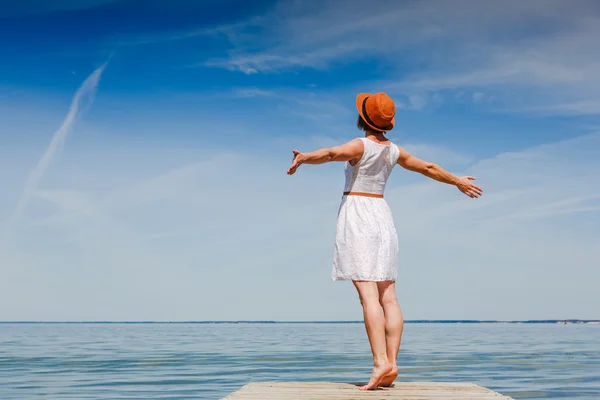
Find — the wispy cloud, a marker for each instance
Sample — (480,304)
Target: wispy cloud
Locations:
(85,93)
(233,31)
(95,228)
(266,62)
(535,54)
(252,92)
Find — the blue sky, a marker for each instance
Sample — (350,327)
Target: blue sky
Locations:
(145,144)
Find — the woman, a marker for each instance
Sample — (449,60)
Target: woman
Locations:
(366,244)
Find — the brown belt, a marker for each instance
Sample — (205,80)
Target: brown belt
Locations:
(379,196)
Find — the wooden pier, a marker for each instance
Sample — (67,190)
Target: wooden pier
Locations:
(348,391)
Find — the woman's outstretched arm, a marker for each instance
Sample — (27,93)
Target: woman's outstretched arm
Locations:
(434,171)
(351,151)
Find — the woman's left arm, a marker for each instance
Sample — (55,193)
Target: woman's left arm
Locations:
(350,151)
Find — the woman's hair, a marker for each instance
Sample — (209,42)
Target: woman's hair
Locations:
(362,125)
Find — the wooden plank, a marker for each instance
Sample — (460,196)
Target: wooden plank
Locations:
(350,391)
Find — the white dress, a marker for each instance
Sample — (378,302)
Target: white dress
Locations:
(366,242)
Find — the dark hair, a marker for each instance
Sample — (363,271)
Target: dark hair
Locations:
(362,125)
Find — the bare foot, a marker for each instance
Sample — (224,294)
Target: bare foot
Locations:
(377,375)
(389,378)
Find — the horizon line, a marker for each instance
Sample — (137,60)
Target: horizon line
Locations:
(417,321)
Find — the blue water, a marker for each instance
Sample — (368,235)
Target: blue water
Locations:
(200,361)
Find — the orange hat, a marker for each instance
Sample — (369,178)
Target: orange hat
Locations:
(377,110)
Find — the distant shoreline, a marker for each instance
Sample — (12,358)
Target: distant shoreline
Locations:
(549,321)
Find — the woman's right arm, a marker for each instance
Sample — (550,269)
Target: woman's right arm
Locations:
(434,171)
(351,151)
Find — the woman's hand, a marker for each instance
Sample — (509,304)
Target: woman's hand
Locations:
(296,162)
(465,185)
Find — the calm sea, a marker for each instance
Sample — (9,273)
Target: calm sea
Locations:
(208,361)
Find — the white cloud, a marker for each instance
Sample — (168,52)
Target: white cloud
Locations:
(478,97)
(572,108)
(539,54)
(265,62)
(417,102)
(252,92)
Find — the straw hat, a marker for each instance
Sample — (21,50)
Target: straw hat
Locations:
(377,110)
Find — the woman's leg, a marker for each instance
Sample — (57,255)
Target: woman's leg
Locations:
(394,324)
(375,325)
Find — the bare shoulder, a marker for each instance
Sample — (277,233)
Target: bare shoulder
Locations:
(349,151)
(352,145)
(357,142)
(358,146)
(402,153)
(400,148)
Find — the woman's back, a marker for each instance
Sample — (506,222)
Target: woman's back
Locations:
(371,172)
